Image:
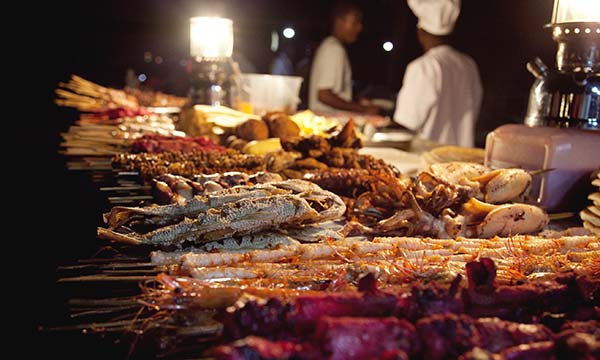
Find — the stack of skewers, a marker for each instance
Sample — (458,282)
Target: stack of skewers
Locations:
(87,96)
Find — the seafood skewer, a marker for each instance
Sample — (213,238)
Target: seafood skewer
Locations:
(177,189)
(391,259)
(300,203)
(172,213)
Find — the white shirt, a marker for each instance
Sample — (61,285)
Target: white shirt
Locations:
(441,96)
(330,70)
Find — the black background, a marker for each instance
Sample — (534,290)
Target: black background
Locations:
(99,40)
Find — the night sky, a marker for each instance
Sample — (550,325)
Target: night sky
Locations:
(101,40)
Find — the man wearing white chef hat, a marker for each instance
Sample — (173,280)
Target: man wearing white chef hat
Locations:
(441,92)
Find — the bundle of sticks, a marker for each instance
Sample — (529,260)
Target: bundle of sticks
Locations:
(107,137)
(87,96)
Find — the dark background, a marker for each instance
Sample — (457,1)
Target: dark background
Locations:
(99,40)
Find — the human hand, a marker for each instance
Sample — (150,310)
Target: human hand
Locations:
(371,109)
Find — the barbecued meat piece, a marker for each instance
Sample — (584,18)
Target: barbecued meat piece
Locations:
(496,334)
(589,327)
(589,289)
(447,336)
(277,320)
(515,302)
(269,320)
(479,354)
(278,161)
(578,345)
(361,338)
(308,309)
(253,347)
(314,146)
(481,275)
(347,137)
(309,163)
(188,164)
(430,299)
(160,143)
(535,351)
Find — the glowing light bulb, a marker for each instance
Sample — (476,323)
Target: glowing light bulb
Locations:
(576,11)
(211,37)
(289,33)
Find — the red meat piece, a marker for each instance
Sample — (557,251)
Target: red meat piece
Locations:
(362,338)
(447,336)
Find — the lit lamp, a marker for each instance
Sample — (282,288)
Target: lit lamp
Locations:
(560,133)
(569,97)
(211,45)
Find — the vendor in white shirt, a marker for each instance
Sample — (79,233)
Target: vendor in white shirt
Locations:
(330,86)
(441,92)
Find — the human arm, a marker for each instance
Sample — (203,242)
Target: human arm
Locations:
(328,97)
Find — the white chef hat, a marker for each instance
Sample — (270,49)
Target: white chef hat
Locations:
(437,17)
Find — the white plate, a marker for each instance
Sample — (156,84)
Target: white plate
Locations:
(396,136)
(406,162)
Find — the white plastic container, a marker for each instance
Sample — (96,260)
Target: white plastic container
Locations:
(269,93)
(572,154)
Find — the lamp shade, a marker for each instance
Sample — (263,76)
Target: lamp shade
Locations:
(567,11)
(211,37)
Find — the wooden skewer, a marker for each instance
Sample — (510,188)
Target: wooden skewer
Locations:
(560,216)
(120,199)
(106,326)
(102,302)
(103,311)
(128,265)
(104,278)
(130,271)
(125,188)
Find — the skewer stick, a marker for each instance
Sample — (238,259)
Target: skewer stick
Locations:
(103,311)
(560,216)
(125,188)
(102,278)
(130,271)
(540,171)
(117,199)
(106,326)
(102,302)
